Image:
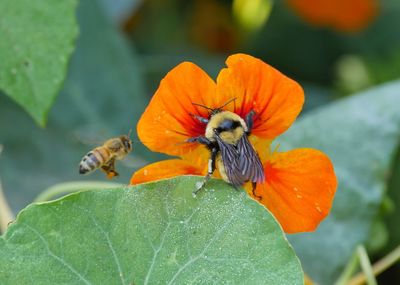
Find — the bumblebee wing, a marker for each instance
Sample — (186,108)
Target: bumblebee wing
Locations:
(231,158)
(249,163)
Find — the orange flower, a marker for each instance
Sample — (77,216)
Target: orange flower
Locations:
(341,15)
(300,184)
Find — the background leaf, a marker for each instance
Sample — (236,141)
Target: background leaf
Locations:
(37,39)
(149,234)
(391,214)
(103,97)
(361,135)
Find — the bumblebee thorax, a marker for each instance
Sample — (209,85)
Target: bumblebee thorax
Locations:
(229,126)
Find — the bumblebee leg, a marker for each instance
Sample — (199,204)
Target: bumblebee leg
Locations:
(109,169)
(199,118)
(249,119)
(253,191)
(211,169)
(202,140)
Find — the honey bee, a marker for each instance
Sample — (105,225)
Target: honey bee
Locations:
(226,136)
(104,156)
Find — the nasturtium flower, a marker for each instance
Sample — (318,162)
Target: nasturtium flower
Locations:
(340,15)
(300,184)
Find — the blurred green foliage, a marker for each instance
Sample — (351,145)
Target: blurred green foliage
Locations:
(173,29)
(102,97)
(361,135)
(35,47)
(391,218)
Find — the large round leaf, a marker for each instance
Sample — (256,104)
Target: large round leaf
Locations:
(154,233)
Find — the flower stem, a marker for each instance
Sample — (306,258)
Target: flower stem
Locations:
(71,187)
(380,266)
(350,269)
(6,215)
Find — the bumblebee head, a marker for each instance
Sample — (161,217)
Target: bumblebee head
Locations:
(226,125)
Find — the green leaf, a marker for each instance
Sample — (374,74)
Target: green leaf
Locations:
(393,209)
(37,39)
(360,134)
(155,233)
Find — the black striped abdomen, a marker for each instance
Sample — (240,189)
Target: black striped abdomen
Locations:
(93,160)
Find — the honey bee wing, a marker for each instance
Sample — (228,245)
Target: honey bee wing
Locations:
(115,145)
(249,162)
(230,159)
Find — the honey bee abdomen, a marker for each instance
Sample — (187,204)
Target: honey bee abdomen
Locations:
(89,163)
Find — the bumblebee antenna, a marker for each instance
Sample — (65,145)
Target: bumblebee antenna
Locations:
(205,107)
(219,108)
(231,100)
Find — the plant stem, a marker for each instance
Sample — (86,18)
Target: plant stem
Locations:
(6,215)
(351,267)
(71,187)
(366,265)
(380,266)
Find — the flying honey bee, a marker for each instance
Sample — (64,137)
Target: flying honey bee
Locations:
(104,156)
(226,136)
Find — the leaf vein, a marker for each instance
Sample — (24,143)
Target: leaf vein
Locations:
(109,243)
(156,254)
(201,254)
(72,269)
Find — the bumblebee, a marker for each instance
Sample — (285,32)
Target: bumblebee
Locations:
(226,136)
(104,156)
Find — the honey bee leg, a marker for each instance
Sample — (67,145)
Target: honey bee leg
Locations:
(253,191)
(109,169)
(199,118)
(249,119)
(211,169)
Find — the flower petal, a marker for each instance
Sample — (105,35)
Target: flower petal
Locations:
(342,15)
(299,188)
(275,98)
(164,169)
(166,123)
(199,157)
(262,147)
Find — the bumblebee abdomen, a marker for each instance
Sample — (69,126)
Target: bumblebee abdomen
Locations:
(93,160)
(221,169)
